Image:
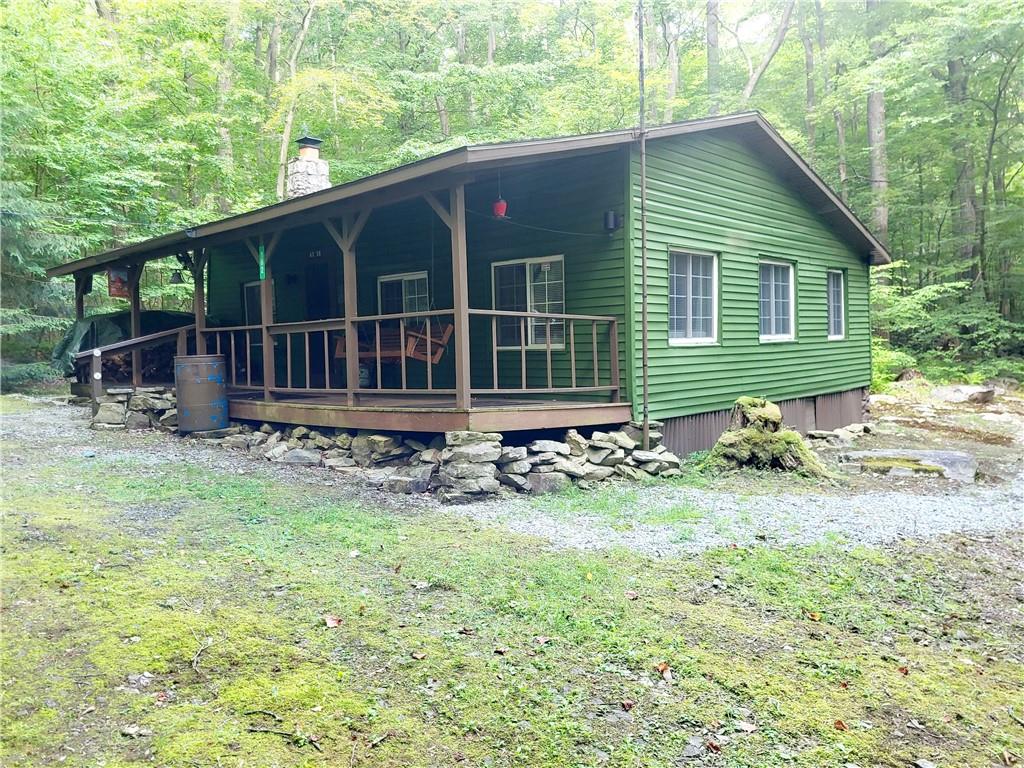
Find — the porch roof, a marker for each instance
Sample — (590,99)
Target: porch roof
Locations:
(447,166)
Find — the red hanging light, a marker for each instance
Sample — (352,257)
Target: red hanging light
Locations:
(499,208)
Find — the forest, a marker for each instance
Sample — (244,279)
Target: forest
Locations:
(125,119)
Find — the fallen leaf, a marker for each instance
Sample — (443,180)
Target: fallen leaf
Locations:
(632,594)
(628,704)
(332,621)
(844,685)
(542,640)
(468,631)
(712,746)
(590,576)
(839,725)
(418,655)
(664,670)
(501,650)
(813,615)
(903,671)
(398,568)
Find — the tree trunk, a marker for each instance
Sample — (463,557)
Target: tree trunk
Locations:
(672,62)
(780,36)
(837,113)
(286,131)
(805,37)
(225,149)
(965,210)
(492,44)
(713,65)
(274,52)
(876,130)
(442,115)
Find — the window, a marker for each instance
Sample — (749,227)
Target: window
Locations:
(403,293)
(836,305)
(530,285)
(776,301)
(691,298)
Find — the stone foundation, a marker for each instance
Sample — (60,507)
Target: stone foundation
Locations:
(456,466)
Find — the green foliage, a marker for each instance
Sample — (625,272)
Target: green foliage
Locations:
(20,376)
(887,363)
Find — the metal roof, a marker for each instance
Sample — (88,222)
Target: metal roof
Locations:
(750,126)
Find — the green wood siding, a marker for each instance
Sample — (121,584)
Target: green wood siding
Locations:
(710,193)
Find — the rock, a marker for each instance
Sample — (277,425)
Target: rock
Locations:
(541,458)
(258,438)
(909,374)
(301,456)
(622,440)
(515,481)
(512,453)
(300,433)
(654,467)
(964,393)
(463,470)
(339,462)
(473,484)
(820,434)
(323,443)
(147,402)
(414,478)
(549,446)
(476,451)
(922,763)
(343,440)
(120,390)
(572,467)
(672,473)
(110,413)
(882,400)
(953,465)
(276,451)
(597,472)
(577,443)
(415,445)
(240,442)
(642,457)
(137,420)
(843,436)
(266,429)
(467,438)
(614,458)
(430,456)
(361,450)
(295,443)
(452,496)
(337,453)
(516,467)
(274,439)
(597,455)
(635,431)
(383,444)
(630,473)
(547,482)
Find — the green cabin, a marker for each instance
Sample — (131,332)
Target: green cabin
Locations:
(500,287)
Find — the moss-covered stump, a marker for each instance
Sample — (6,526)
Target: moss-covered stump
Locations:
(758,439)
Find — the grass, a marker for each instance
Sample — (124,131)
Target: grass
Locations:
(466,645)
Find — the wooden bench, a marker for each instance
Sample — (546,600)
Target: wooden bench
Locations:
(392,349)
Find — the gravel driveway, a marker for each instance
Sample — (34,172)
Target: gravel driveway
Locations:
(660,519)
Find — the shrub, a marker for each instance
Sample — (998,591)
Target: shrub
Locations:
(887,363)
(15,376)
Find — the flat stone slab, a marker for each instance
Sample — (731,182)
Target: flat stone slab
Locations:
(953,465)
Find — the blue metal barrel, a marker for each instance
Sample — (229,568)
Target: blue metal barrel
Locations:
(202,396)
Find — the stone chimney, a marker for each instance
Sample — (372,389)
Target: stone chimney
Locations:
(307,172)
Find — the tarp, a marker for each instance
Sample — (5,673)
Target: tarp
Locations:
(100,330)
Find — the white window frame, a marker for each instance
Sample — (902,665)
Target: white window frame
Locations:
(403,276)
(690,341)
(776,337)
(531,344)
(842,304)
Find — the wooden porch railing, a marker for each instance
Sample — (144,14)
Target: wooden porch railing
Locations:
(242,347)
(602,356)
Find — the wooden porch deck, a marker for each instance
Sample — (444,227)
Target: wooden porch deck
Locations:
(424,413)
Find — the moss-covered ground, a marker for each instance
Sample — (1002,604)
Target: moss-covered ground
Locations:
(171,615)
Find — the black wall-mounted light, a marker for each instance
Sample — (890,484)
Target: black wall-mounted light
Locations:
(612,222)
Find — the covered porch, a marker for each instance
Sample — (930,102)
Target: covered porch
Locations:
(413,307)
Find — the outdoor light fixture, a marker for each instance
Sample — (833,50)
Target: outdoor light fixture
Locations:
(499,208)
(176,278)
(612,221)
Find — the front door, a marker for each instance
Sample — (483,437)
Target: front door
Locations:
(318,307)
(251,305)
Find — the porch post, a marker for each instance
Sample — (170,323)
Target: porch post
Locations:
(460,294)
(262,255)
(351,226)
(199,298)
(83,285)
(134,280)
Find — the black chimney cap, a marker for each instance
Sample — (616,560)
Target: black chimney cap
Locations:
(309,141)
